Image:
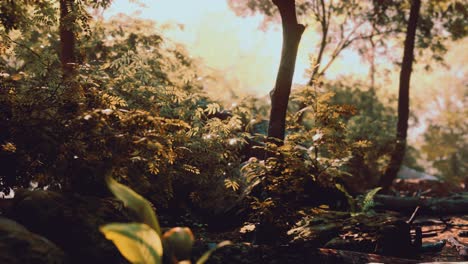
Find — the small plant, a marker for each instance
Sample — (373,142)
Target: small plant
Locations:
(143,242)
(368,201)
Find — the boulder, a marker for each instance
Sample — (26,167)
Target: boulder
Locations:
(71,222)
(18,246)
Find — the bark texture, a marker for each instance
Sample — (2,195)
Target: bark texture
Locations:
(403,99)
(68,58)
(67,39)
(292,33)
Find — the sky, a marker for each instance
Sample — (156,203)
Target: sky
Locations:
(234,45)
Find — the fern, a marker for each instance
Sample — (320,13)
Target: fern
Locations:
(231,184)
(368,201)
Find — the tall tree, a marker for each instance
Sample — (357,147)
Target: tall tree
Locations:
(73,18)
(68,26)
(403,98)
(340,24)
(67,39)
(292,33)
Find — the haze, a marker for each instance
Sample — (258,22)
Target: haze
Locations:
(246,55)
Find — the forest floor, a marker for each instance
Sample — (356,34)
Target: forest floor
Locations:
(451,226)
(438,231)
(316,234)
(244,251)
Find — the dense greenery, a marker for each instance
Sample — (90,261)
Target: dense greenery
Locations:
(135,107)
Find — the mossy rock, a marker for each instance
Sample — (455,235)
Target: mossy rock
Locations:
(71,222)
(18,246)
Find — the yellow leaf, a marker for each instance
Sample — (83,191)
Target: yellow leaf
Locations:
(137,242)
(16,77)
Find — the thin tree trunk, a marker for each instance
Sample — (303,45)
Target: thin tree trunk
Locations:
(403,99)
(67,39)
(324,24)
(292,33)
(68,58)
(372,69)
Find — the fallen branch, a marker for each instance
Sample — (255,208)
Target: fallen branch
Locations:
(461,249)
(456,204)
(326,255)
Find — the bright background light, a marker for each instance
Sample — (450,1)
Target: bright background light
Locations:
(234,45)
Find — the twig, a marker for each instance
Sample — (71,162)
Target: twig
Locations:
(413,216)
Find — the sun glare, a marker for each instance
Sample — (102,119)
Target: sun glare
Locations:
(233,45)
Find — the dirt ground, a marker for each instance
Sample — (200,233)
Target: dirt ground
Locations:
(243,251)
(452,227)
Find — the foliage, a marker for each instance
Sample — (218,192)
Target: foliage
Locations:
(373,123)
(137,242)
(135,202)
(341,25)
(439,21)
(16,14)
(145,118)
(143,242)
(445,143)
(367,26)
(368,200)
(311,165)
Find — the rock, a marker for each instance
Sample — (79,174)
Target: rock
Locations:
(394,239)
(18,246)
(72,222)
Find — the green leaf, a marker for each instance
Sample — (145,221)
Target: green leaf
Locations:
(135,202)
(207,254)
(368,202)
(178,243)
(137,242)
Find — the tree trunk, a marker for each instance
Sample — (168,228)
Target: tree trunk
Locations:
(403,99)
(68,58)
(372,68)
(455,204)
(67,39)
(324,23)
(292,33)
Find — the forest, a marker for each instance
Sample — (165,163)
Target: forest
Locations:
(233,131)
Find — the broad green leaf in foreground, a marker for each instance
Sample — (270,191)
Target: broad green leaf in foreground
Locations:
(135,202)
(137,242)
